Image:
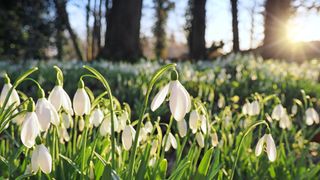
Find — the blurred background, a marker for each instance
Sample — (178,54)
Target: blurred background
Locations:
(129,30)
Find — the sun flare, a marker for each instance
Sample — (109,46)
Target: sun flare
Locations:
(302,30)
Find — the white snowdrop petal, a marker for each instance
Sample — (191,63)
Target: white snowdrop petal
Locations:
(173,141)
(255,107)
(160,97)
(214,139)
(200,139)
(34,160)
(29,130)
(203,124)
(188,98)
(177,101)
(182,128)
(55,97)
(44,117)
(315,116)
(44,159)
(193,121)
(277,112)
(259,146)
(245,108)
(309,117)
(148,127)
(271,148)
(127,138)
(81,102)
(66,102)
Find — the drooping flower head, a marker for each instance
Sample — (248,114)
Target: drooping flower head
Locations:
(267,142)
(46,112)
(30,127)
(81,101)
(58,96)
(312,116)
(41,159)
(179,100)
(13,98)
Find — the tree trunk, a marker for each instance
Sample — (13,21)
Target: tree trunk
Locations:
(162,8)
(123,30)
(196,39)
(96,33)
(63,15)
(88,30)
(235,29)
(277,14)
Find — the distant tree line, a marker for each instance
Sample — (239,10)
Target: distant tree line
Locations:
(31,29)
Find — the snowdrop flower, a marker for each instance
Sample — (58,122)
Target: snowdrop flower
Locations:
(277,112)
(194,121)
(179,100)
(63,133)
(245,108)
(81,101)
(30,127)
(182,128)
(123,120)
(214,139)
(59,98)
(197,121)
(13,98)
(67,120)
(41,158)
(148,127)
(46,114)
(200,139)
(270,147)
(143,134)
(312,116)
(285,122)
(294,109)
(254,108)
(203,125)
(171,141)
(127,137)
(251,109)
(105,127)
(96,117)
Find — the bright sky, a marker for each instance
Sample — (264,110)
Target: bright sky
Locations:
(303,27)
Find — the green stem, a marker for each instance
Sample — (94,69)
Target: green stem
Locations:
(107,86)
(166,137)
(242,139)
(84,151)
(153,80)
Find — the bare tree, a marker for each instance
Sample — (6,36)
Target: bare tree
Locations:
(196,26)
(235,29)
(123,30)
(63,16)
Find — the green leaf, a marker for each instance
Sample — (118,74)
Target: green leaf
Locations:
(179,171)
(73,164)
(216,165)
(162,170)
(204,164)
(109,173)
(24,176)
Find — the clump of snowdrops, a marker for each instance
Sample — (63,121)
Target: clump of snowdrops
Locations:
(93,136)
